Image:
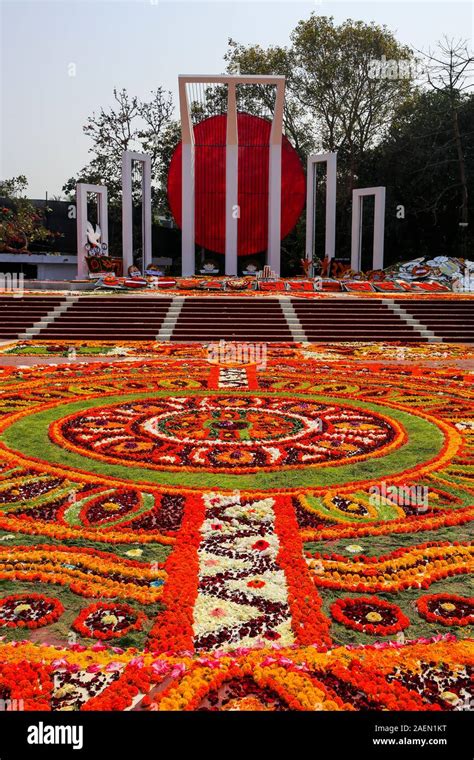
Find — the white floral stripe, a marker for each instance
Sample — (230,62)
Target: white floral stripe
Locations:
(242,597)
(233,377)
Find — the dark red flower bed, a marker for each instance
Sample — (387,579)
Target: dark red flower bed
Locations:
(105,620)
(29,610)
(447,609)
(369,615)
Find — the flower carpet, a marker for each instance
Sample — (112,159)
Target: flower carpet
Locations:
(177,534)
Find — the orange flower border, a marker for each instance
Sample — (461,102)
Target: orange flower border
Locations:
(80,624)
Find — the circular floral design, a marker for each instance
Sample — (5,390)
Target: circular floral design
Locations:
(29,611)
(369,615)
(237,433)
(103,509)
(447,609)
(105,620)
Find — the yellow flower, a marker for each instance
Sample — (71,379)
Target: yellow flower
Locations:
(373,617)
(113,619)
(110,506)
(134,553)
(448,607)
(450,696)
(21,608)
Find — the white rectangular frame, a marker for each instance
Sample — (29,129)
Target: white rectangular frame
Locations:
(358,196)
(330,159)
(128,157)
(82,191)
(232,180)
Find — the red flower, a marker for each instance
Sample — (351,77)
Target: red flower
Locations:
(256,584)
(447,609)
(108,620)
(369,614)
(29,610)
(260,545)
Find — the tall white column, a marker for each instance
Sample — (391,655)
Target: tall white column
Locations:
(128,157)
(103,216)
(274,182)
(188,259)
(82,190)
(358,196)
(127,212)
(81,223)
(379,228)
(146,214)
(331,184)
(331,181)
(231,183)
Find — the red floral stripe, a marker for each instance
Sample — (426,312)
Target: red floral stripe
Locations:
(173,630)
(309,624)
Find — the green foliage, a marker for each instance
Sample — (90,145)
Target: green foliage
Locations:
(418,163)
(144,126)
(20,222)
(333,102)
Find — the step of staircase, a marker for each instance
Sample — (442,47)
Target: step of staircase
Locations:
(188,319)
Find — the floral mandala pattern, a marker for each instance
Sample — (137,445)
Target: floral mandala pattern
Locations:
(370,615)
(222,538)
(244,433)
(447,609)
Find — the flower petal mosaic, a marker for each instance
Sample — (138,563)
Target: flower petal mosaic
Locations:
(181,535)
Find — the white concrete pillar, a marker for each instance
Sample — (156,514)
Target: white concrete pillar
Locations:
(231,183)
(379,226)
(146,214)
(82,191)
(188,259)
(274,182)
(127,212)
(330,159)
(128,157)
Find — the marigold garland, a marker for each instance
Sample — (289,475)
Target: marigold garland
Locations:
(369,614)
(29,610)
(108,620)
(447,609)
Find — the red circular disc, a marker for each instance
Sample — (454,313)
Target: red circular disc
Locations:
(210,161)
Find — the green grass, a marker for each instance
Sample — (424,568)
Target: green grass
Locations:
(406,600)
(375,546)
(57,633)
(30,437)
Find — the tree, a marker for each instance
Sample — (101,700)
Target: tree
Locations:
(254,99)
(449,73)
(335,99)
(334,77)
(133,124)
(417,161)
(20,222)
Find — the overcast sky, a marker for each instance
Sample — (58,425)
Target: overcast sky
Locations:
(141,44)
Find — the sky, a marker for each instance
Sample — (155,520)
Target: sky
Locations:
(142,44)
